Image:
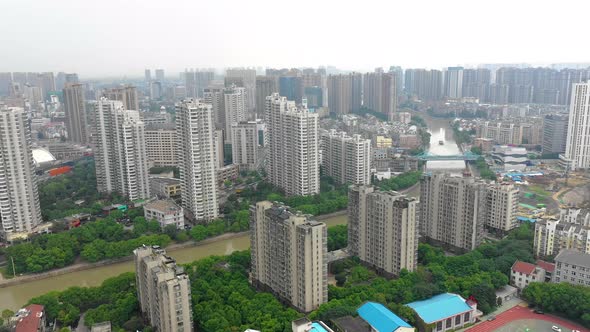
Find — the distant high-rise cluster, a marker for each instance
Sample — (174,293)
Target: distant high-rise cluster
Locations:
(383,229)
(120,150)
(379,93)
(293,163)
(196,81)
(20,211)
(288,252)
(345,93)
(163,290)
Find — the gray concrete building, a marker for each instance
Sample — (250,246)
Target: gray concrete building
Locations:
(265,86)
(383,229)
(573,267)
(126,94)
(75,113)
(554,133)
(288,253)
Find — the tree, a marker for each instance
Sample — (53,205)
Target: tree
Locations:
(476,150)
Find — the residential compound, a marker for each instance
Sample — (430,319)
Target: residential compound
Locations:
(573,267)
(20,211)
(197,159)
(164,290)
(249,143)
(161,144)
(577,148)
(455,210)
(346,159)
(293,162)
(517,132)
(383,229)
(120,150)
(288,252)
(570,231)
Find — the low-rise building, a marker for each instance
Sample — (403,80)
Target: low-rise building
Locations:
(573,267)
(523,273)
(409,141)
(382,319)
(512,158)
(485,144)
(445,312)
(166,212)
(229,172)
(164,187)
(29,319)
(305,325)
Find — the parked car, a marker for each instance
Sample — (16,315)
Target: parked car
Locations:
(555,328)
(491,318)
(539,311)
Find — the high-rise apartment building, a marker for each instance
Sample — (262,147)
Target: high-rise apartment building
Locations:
(293,163)
(265,86)
(454,82)
(248,79)
(383,229)
(196,159)
(148,75)
(248,144)
(501,206)
(120,150)
(346,159)
(292,88)
(19,197)
(234,102)
(126,94)
(577,148)
(452,210)
(554,133)
(5,83)
(163,290)
(344,93)
(196,82)
(46,81)
(160,75)
(289,255)
(379,93)
(161,143)
(75,113)
(424,84)
(476,83)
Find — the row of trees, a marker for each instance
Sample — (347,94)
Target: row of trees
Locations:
(571,301)
(402,181)
(484,169)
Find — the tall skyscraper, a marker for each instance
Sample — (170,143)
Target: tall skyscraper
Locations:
(344,93)
(289,255)
(234,101)
(346,159)
(454,82)
(554,133)
(379,93)
(577,148)
(248,144)
(383,229)
(265,86)
(196,159)
(120,153)
(452,210)
(75,113)
(160,75)
(163,290)
(126,94)
(292,88)
(248,79)
(19,197)
(196,81)
(148,75)
(293,163)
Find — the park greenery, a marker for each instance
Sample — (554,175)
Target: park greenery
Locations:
(567,300)
(462,136)
(337,237)
(484,169)
(402,181)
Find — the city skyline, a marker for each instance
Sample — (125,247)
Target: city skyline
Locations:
(89,54)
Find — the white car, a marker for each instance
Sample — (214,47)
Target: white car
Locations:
(555,328)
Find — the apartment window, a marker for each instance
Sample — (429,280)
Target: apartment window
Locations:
(457,319)
(439,326)
(467,317)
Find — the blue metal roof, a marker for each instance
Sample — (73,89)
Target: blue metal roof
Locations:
(439,307)
(380,318)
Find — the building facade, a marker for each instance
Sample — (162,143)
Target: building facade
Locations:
(20,211)
(166,212)
(126,94)
(573,267)
(289,255)
(161,144)
(196,159)
(293,162)
(379,93)
(501,206)
(120,153)
(265,86)
(75,113)
(164,290)
(454,82)
(383,229)
(346,159)
(523,273)
(554,134)
(248,144)
(577,148)
(344,93)
(570,231)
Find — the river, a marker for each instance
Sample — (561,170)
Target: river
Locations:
(440,130)
(13,297)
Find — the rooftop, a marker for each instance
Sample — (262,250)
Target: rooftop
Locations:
(549,267)
(29,318)
(439,307)
(573,257)
(349,323)
(163,205)
(523,267)
(380,318)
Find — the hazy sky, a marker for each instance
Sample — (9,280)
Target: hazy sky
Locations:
(122,37)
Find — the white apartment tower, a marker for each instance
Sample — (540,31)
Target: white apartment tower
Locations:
(120,152)
(163,290)
(234,100)
(196,159)
(502,206)
(289,255)
(383,229)
(346,159)
(452,210)
(293,163)
(19,198)
(248,144)
(577,148)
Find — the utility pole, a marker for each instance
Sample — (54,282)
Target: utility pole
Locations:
(13,269)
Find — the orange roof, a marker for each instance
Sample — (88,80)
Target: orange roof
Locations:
(549,267)
(523,267)
(31,322)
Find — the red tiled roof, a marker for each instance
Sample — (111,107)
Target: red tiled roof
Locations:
(549,267)
(523,267)
(31,322)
